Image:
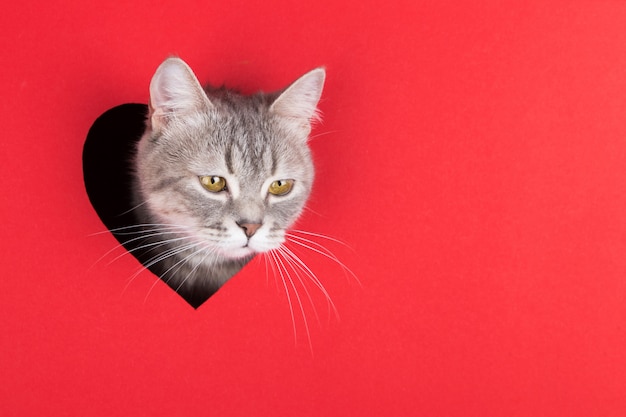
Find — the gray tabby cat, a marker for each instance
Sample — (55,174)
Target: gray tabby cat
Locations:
(219,177)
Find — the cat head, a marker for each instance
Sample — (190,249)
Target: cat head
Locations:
(229,172)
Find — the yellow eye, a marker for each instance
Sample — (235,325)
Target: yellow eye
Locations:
(281,187)
(213,183)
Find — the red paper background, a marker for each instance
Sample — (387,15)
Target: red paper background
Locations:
(472,155)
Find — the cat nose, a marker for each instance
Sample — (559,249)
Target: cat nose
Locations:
(249,228)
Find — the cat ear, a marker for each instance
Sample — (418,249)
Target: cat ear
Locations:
(175,90)
(299,101)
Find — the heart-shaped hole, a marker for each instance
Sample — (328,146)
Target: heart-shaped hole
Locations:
(107,170)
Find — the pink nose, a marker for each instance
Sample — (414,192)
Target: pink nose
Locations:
(249,228)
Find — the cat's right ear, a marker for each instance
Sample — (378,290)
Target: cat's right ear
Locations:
(175,90)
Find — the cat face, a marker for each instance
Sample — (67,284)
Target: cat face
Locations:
(224,171)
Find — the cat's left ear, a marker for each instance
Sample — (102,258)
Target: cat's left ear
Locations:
(298,103)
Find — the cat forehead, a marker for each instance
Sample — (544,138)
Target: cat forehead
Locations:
(251,164)
(241,146)
(254,159)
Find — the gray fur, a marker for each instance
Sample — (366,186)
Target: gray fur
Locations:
(248,140)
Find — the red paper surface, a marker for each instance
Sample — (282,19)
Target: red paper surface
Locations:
(472,156)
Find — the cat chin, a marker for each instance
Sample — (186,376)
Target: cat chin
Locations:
(239,253)
(246,251)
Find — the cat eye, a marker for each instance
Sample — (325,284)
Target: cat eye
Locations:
(213,183)
(281,187)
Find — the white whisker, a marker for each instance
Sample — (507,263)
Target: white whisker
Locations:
(206,255)
(293,318)
(176,267)
(140,228)
(133,208)
(293,266)
(322,250)
(151,245)
(143,234)
(295,259)
(158,258)
(332,239)
(309,209)
(297,295)
(161,256)
(323,134)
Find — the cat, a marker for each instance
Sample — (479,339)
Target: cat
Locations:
(219,177)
